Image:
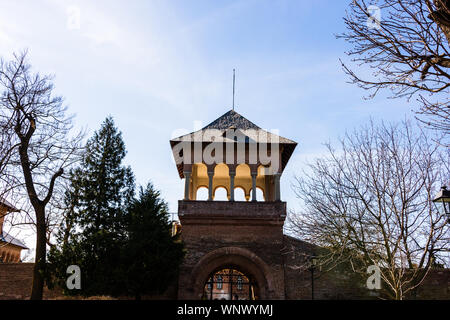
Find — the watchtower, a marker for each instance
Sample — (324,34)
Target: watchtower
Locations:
(233,247)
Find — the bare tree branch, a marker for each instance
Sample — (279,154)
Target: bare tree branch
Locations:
(406,51)
(370,202)
(39,145)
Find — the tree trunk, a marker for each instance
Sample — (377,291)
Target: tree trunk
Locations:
(40,260)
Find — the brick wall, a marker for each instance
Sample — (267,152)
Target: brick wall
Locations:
(254,228)
(241,209)
(342,283)
(16,280)
(435,286)
(264,241)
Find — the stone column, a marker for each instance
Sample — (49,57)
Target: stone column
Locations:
(187,183)
(210,185)
(232,175)
(276,178)
(254,186)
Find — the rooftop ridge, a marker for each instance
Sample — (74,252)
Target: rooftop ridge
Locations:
(231,119)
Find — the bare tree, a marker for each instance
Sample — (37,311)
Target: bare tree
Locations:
(406,44)
(35,120)
(369,203)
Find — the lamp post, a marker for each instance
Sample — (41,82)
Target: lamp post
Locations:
(312,267)
(444,197)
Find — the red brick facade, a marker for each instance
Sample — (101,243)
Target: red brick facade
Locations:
(15,282)
(249,236)
(276,262)
(245,235)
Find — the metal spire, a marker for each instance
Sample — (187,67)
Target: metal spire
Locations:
(233,86)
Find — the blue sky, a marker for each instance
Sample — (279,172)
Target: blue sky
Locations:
(161,67)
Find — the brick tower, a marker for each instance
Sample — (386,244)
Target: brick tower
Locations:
(233,247)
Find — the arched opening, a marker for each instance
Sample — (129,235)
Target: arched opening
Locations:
(200,170)
(239,194)
(262,183)
(259,194)
(240,259)
(220,194)
(230,283)
(202,193)
(221,171)
(243,171)
(221,181)
(243,176)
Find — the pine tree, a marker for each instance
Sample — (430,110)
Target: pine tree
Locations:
(152,254)
(122,245)
(101,192)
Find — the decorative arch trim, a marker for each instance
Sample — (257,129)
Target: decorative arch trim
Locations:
(247,261)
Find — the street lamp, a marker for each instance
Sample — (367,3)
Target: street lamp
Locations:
(444,197)
(312,267)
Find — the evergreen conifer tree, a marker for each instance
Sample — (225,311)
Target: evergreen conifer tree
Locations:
(152,253)
(122,244)
(101,192)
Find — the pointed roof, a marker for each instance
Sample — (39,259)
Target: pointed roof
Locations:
(231,119)
(235,121)
(9,206)
(7,238)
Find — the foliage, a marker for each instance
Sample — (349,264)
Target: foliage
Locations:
(100,193)
(151,255)
(122,245)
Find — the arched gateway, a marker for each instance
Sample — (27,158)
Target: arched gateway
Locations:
(233,247)
(234,267)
